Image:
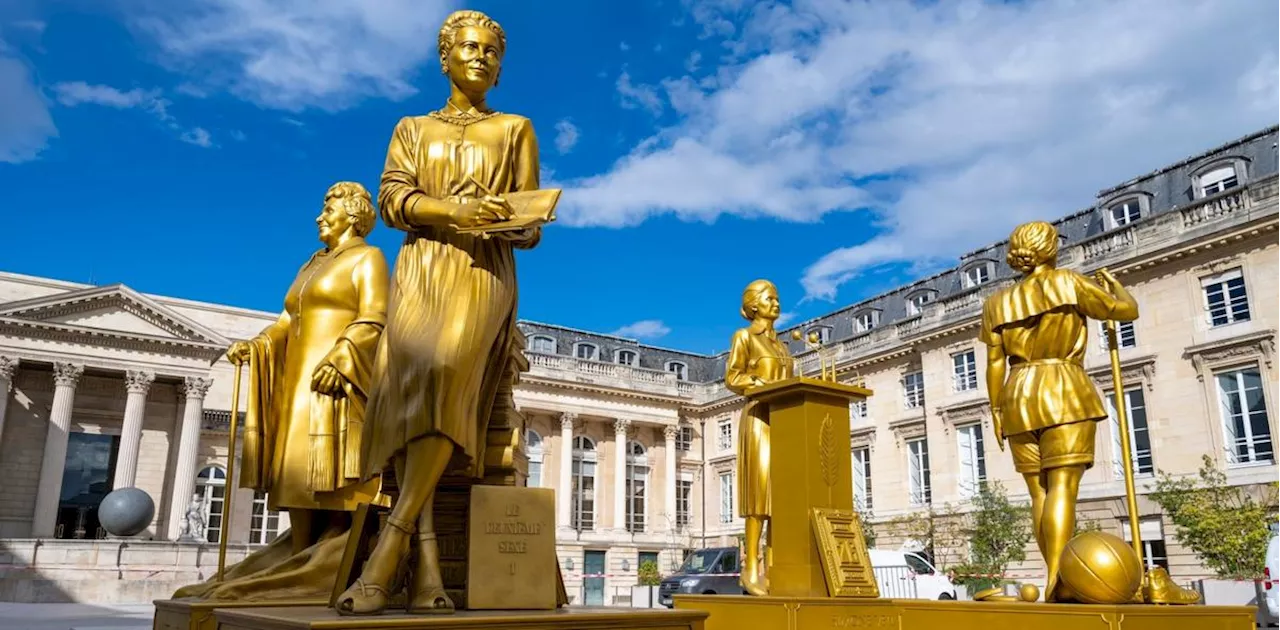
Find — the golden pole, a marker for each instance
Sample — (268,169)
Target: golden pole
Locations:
(1122,416)
(230,491)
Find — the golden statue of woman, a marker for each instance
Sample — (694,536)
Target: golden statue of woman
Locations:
(756,357)
(453,304)
(309,376)
(1048,407)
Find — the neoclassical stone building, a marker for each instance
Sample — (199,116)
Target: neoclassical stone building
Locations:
(109,388)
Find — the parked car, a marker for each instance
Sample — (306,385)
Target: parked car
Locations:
(1272,573)
(907,575)
(704,572)
(899,574)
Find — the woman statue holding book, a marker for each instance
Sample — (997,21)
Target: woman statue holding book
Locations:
(455,181)
(756,357)
(309,375)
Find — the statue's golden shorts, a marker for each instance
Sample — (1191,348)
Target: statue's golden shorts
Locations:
(1054,447)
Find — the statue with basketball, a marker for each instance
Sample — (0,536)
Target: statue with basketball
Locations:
(1046,407)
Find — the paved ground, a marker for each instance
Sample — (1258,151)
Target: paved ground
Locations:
(76,616)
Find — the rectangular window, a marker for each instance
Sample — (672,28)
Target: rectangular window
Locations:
(587,351)
(542,345)
(1139,435)
(918,301)
(913,390)
(679,369)
(977,275)
(684,500)
(973,459)
(921,492)
(583,514)
(726,497)
(264,524)
(627,357)
(862,478)
(1154,553)
(1124,213)
(1218,180)
(864,322)
(858,412)
(724,435)
(964,371)
(1125,333)
(1225,298)
(637,482)
(1244,416)
(684,439)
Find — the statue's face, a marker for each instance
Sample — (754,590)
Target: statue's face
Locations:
(475,60)
(333,221)
(767,306)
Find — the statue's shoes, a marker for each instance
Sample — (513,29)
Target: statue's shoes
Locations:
(1159,588)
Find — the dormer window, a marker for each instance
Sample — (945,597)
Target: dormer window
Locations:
(1123,213)
(865,321)
(1218,179)
(977,274)
(917,301)
(628,357)
(679,369)
(542,344)
(587,351)
(824,334)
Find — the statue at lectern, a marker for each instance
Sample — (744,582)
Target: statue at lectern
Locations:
(462,183)
(756,357)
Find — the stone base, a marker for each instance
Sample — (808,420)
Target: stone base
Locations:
(195,614)
(316,617)
(737,612)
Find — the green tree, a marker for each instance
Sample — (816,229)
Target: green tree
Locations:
(647,573)
(1227,527)
(937,530)
(868,530)
(998,532)
(1083,526)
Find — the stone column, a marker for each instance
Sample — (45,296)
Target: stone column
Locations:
(8,367)
(49,493)
(137,384)
(669,434)
(620,427)
(565,489)
(184,473)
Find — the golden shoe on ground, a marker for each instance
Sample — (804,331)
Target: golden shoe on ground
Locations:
(1159,588)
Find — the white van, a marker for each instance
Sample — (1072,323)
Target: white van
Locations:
(907,575)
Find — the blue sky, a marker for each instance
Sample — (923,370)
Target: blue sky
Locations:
(839,148)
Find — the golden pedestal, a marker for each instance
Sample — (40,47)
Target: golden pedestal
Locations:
(740,612)
(195,614)
(575,618)
(809,468)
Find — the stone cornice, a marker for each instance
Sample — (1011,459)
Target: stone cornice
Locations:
(71,333)
(1136,369)
(862,435)
(529,378)
(118,296)
(964,412)
(908,428)
(1208,356)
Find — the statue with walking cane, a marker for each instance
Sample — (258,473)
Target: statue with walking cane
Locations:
(309,376)
(1046,407)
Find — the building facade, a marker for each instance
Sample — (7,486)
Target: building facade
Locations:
(107,388)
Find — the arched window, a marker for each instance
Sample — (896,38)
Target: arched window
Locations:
(637,484)
(211,486)
(264,525)
(533,450)
(542,344)
(865,320)
(917,300)
(1218,179)
(1124,212)
(977,273)
(583,492)
(588,351)
(679,369)
(628,357)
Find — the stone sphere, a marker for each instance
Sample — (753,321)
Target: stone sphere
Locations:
(126,512)
(1100,569)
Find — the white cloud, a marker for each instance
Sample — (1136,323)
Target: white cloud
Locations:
(566,136)
(784,318)
(947,122)
(643,329)
(298,54)
(638,96)
(25,126)
(623,46)
(78,93)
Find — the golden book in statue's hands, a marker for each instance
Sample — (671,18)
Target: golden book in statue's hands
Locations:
(529,208)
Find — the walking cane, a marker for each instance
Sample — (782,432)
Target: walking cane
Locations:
(1122,416)
(230,491)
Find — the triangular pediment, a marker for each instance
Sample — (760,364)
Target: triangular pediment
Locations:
(114,309)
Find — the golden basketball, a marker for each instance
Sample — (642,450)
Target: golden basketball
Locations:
(1100,569)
